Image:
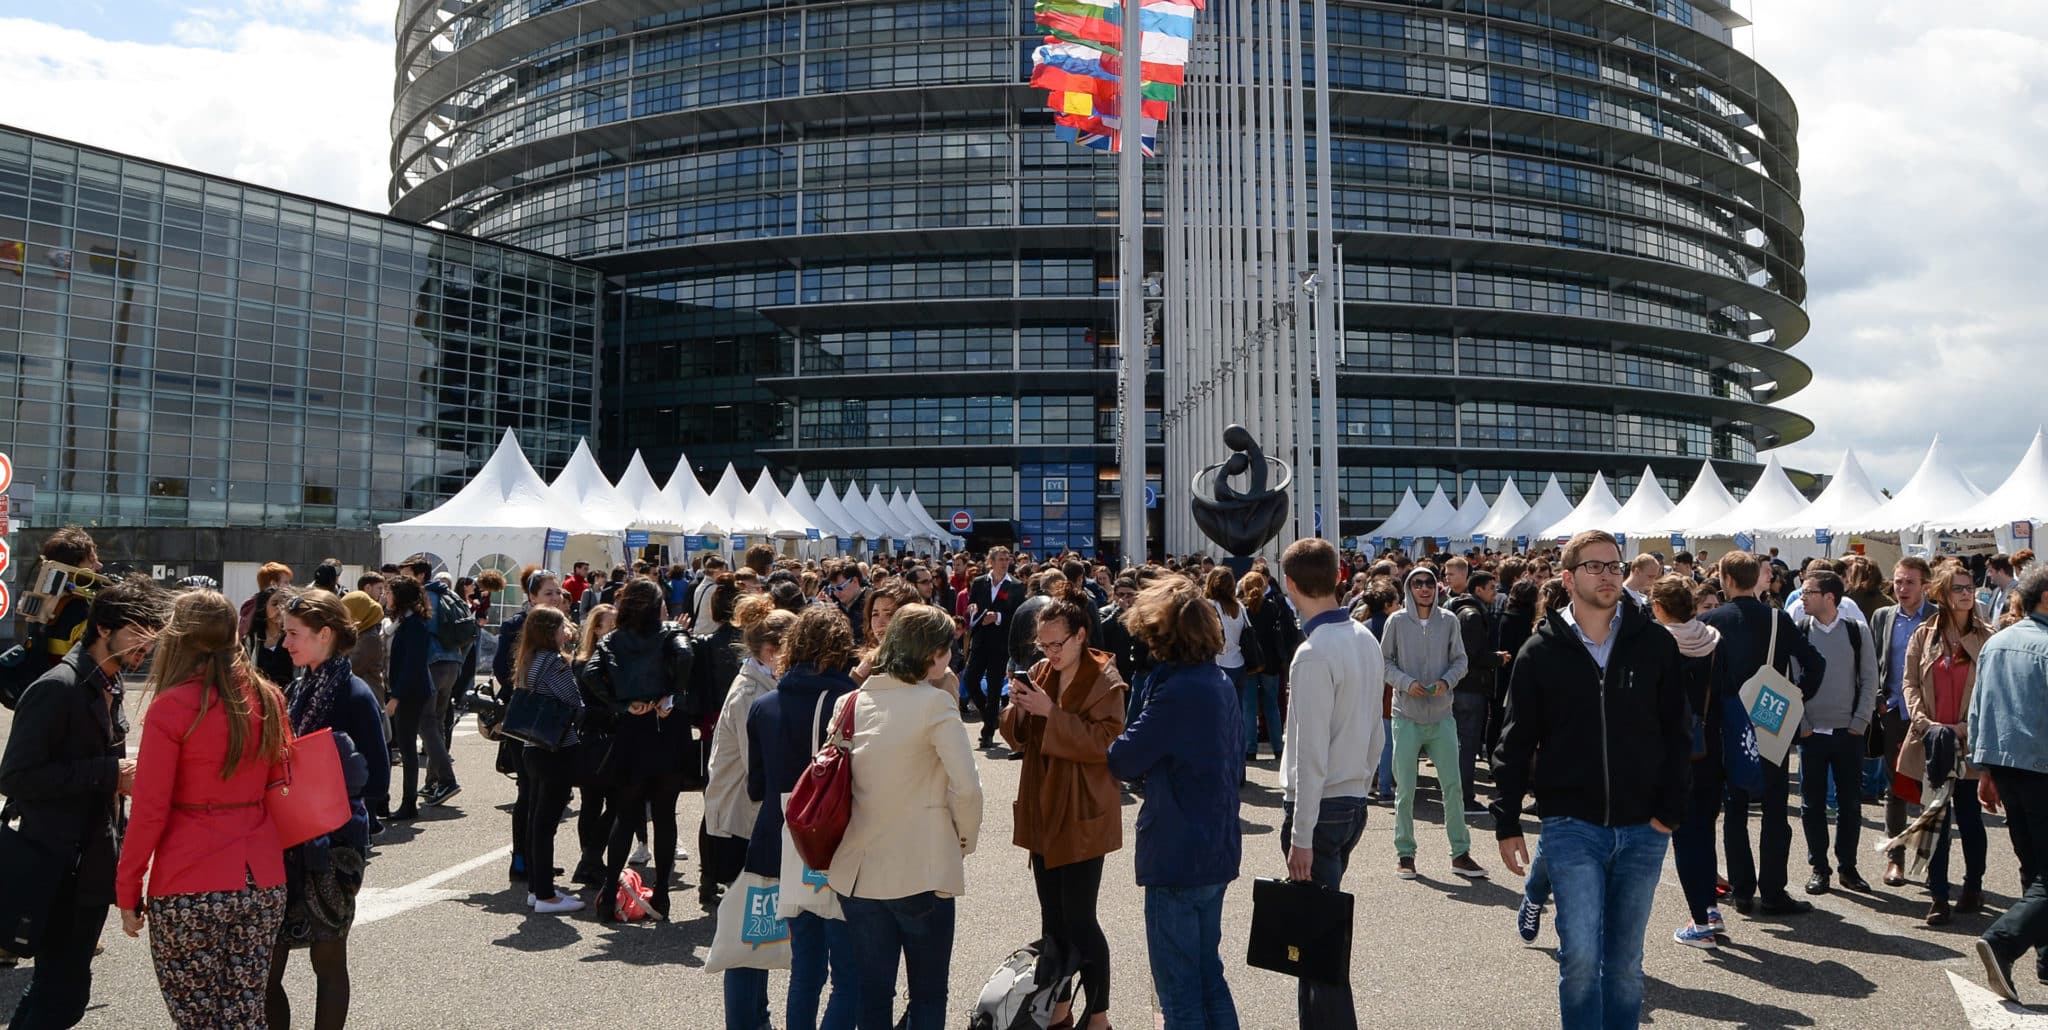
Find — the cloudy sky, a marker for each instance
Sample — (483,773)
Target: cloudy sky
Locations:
(1923,153)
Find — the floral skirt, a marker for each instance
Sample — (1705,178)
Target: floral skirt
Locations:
(212,953)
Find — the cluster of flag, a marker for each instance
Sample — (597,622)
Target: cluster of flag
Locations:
(1081,65)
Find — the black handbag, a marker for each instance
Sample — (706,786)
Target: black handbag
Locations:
(532,717)
(33,873)
(1301,928)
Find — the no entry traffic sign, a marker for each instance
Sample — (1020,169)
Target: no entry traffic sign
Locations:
(6,472)
(3,557)
(963,521)
(6,603)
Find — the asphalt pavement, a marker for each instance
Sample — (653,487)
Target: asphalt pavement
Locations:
(443,938)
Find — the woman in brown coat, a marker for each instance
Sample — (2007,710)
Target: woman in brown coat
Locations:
(1069,811)
(1941,672)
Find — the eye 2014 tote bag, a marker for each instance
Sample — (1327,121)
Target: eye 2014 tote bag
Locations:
(752,934)
(1773,703)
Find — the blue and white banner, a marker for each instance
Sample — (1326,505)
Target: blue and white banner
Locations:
(1745,542)
(557,539)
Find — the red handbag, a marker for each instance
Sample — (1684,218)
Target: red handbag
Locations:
(312,798)
(822,802)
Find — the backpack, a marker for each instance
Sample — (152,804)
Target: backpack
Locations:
(454,622)
(23,664)
(1015,999)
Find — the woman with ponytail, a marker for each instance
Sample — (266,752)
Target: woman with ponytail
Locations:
(212,740)
(327,871)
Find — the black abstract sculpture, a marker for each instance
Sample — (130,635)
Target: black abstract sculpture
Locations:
(1241,521)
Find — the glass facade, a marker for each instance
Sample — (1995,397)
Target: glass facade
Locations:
(179,350)
(847,241)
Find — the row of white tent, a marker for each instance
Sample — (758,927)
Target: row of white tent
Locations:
(508,509)
(1939,498)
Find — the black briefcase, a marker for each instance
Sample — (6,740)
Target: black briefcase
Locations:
(1302,929)
(33,873)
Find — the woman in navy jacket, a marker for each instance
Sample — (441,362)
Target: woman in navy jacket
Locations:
(411,688)
(1186,744)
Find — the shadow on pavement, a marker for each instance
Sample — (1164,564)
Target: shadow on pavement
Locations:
(1788,973)
(1687,1007)
(1827,929)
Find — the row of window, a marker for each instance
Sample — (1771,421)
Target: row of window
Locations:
(1592,362)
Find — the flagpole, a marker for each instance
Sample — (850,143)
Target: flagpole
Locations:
(1131,344)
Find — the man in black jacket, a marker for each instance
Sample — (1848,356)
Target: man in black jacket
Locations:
(1745,627)
(991,601)
(1473,696)
(1597,691)
(63,772)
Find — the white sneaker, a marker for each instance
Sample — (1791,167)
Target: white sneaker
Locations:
(558,904)
(682,853)
(531,900)
(641,856)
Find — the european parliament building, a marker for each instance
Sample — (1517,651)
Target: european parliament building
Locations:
(842,238)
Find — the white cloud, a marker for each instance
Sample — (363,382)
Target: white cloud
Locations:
(290,94)
(1921,152)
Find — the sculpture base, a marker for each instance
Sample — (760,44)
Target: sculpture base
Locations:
(1237,565)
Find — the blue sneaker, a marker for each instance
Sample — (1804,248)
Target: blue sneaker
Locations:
(1695,936)
(1714,921)
(1529,921)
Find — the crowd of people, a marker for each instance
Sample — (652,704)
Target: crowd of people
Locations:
(1607,689)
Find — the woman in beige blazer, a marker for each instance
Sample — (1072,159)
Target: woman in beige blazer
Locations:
(916,815)
(1940,675)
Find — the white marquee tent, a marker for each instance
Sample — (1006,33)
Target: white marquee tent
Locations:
(2023,497)
(945,529)
(784,520)
(1647,507)
(1772,501)
(652,510)
(1404,513)
(922,527)
(1470,514)
(799,497)
(1707,501)
(898,533)
(1508,509)
(683,491)
(1938,490)
(582,486)
(1848,498)
(1435,517)
(835,509)
(1596,510)
(506,510)
(872,528)
(736,511)
(1551,505)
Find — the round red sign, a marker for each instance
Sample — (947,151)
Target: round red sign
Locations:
(5,603)
(3,555)
(963,521)
(6,472)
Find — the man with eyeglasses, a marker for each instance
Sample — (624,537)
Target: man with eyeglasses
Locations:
(1745,623)
(845,588)
(1424,655)
(1597,693)
(991,600)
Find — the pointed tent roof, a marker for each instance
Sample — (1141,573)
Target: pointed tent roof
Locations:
(1551,505)
(1470,514)
(918,527)
(1508,509)
(880,506)
(799,497)
(583,486)
(505,494)
(737,511)
(1848,498)
(917,507)
(828,502)
(651,508)
(1595,511)
(687,494)
(1706,501)
(1435,516)
(1938,490)
(784,520)
(1646,508)
(2022,497)
(871,525)
(1772,501)
(1404,513)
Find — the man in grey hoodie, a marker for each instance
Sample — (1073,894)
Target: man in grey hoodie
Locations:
(1425,658)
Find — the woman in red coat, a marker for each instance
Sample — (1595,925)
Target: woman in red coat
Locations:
(212,739)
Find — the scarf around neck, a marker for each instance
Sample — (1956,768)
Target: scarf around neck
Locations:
(1695,638)
(314,695)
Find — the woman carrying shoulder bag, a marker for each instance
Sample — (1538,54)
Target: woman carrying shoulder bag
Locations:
(329,870)
(212,740)
(1069,807)
(1941,672)
(540,666)
(916,816)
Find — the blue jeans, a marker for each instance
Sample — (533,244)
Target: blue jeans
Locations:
(746,999)
(1339,824)
(1261,693)
(1384,781)
(1536,885)
(1967,817)
(813,941)
(1606,878)
(1238,680)
(1184,936)
(919,929)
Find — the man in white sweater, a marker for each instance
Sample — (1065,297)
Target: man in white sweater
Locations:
(1331,748)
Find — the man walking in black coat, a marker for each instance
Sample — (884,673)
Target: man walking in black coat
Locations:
(991,601)
(63,772)
(1745,627)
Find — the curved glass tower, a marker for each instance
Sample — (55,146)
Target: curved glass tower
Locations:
(843,240)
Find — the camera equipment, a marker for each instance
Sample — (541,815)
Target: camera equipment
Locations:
(51,582)
(488,709)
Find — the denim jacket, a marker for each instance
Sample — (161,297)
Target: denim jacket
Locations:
(2009,710)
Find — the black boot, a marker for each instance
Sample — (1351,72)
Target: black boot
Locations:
(659,902)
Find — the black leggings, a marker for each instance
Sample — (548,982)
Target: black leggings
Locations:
(406,729)
(550,772)
(523,800)
(627,803)
(330,999)
(1066,907)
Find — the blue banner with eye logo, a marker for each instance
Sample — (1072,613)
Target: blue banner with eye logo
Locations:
(764,924)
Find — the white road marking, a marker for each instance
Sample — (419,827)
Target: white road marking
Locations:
(1987,1011)
(375,903)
